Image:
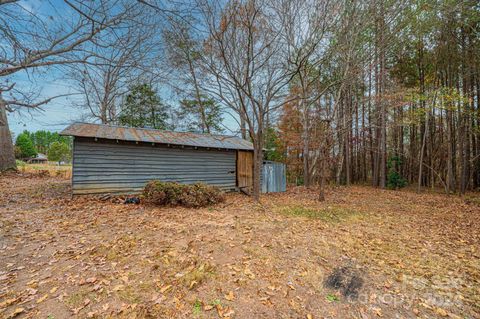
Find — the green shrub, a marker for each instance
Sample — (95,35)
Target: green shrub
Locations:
(173,194)
(394,179)
(25,146)
(21,165)
(58,152)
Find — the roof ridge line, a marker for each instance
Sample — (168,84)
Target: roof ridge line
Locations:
(154,129)
(115,132)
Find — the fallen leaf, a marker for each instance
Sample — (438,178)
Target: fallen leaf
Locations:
(207,307)
(441,312)
(228,313)
(8,302)
(378,311)
(32,291)
(165,288)
(42,299)
(230,296)
(15,313)
(118,287)
(192,284)
(219,309)
(249,273)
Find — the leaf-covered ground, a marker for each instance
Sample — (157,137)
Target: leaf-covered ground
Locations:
(412,255)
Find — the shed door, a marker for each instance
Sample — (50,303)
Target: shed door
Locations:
(244,169)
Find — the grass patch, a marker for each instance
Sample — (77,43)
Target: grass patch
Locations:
(198,275)
(129,294)
(118,248)
(64,171)
(197,308)
(78,298)
(472,199)
(329,214)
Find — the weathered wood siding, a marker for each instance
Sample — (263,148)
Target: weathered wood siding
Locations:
(244,169)
(107,167)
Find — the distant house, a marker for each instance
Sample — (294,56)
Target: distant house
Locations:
(112,159)
(39,159)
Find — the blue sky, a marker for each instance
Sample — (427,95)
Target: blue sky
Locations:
(53,116)
(60,112)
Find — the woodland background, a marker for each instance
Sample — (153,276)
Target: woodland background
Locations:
(348,92)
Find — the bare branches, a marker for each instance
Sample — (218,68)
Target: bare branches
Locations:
(38,42)
(31,104)
(246,56)
(2,2)
(120,60)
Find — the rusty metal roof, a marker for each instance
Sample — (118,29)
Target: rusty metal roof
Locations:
(156,136)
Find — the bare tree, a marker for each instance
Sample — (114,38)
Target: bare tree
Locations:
(183,53)
(248,65)
(37,41)
(121,57)
(308,26)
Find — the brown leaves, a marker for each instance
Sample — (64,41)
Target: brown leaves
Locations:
(15,313)
(86,302)
(441,312)
(208,307)
(230,296)
(165,288)
(119,288)
(128,259)
(224,312)
(249,273)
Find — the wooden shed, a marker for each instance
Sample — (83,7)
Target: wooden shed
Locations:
(113,159)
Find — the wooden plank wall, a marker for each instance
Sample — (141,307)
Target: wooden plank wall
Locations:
(244,169)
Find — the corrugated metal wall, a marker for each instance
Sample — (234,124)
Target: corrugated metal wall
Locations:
(101,167)
(274,177)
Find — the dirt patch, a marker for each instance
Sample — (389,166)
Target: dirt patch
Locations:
(347,280)
(416,255)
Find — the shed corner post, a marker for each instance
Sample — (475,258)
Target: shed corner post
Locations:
(236,170)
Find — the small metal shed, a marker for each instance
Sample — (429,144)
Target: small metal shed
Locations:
(114,159)
(273,177)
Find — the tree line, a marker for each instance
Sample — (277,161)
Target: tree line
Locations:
(407,109)
(376,92)
(29,145)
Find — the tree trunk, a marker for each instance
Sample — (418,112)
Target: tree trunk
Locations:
(257,165)
(7,154)
(450,151)
(321,191)
(205,125)
(323,163)
(346,135)
(243,128)
(306,166)
(382,147)
(422,151)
